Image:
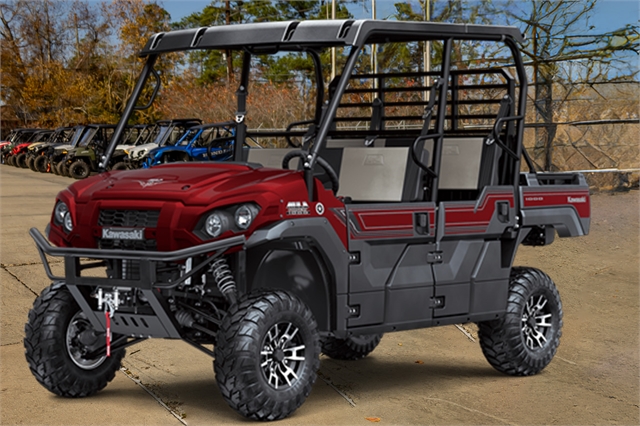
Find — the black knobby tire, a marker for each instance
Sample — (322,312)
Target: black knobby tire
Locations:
(40,164)
(29,161)
(79,170)
(20,161)
(61,168)
(352,348)
(49,343)
(523,342)
(256,344)
(10,160)
(120,165)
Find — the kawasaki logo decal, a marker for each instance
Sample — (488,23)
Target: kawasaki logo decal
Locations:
(577,200)
(123,233)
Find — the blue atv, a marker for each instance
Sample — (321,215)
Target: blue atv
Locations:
(208,142)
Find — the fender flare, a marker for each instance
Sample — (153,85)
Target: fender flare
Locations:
(304,256)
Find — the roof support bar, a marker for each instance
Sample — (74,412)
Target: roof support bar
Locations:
(126,115)
(241,112)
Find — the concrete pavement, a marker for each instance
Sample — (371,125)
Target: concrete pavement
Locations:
(432,376)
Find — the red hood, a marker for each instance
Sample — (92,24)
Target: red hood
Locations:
(21,146)
(190,183)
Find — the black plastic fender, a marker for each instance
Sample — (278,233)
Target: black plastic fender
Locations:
(304,256)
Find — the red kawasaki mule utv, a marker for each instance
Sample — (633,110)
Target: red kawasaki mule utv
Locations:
(397,204)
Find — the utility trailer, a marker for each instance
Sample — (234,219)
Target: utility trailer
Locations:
(397,204)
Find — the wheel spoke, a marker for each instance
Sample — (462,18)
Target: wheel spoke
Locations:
(541,320)
(536,322)
(282,355)
(287,372)
(539,337)
(542,301)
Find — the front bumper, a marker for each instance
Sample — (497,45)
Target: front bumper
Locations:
(160,323)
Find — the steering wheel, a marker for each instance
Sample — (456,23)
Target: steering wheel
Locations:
(333,176)
(218,140)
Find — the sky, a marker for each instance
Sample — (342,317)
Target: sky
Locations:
(609,14)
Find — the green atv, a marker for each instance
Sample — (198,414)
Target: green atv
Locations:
(84,158)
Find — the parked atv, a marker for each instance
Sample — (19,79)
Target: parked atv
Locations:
(165,133)
(36,158)
(19,151)
(411,221)
(56,154)
(137,135)
(84,158)
(208,142)
(16,137)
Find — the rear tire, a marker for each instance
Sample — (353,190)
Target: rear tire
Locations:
(53,346)
(352,348)
(30,160)
(523,342)
(119,166)
(267,355)
(79,170)
(10,160)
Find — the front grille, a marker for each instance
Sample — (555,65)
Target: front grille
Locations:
(133,218)
(129,269)
(106,244)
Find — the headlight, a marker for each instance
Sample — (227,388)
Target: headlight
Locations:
(60,212)
(68,222)
(62,216)
(214,225)
(235,218)
(244,216)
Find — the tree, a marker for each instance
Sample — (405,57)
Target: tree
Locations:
(559,53)
(217,66)
(49,45)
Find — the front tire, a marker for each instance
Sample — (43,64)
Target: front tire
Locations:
(56,336)
(79,170)
(267,355)
(352,348)
(523,342)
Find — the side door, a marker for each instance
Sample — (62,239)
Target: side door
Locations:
(472,265)
(390,281)
(389,237)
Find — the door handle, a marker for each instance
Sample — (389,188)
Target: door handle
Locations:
(421,223)
(503,211)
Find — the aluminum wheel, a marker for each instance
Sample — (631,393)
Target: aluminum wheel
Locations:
(82,339)
(536,322)
(282,356)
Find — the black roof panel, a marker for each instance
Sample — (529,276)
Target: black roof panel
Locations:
(299,35)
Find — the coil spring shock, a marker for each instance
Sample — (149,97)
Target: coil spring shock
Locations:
(224,279)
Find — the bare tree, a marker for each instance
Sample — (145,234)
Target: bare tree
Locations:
(561,51)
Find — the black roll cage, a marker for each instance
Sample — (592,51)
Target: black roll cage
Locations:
(309,36)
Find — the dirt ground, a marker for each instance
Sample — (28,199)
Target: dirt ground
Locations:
(431,376)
